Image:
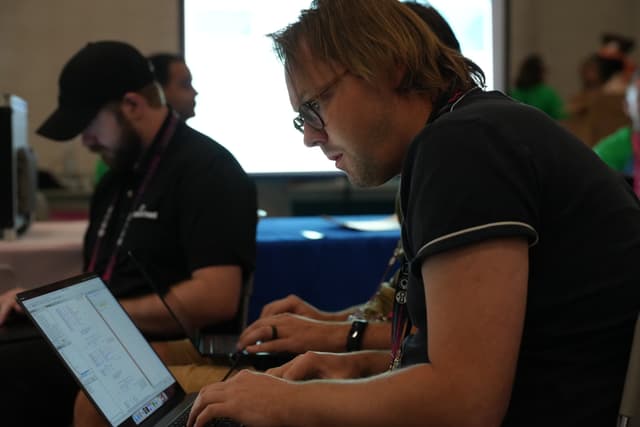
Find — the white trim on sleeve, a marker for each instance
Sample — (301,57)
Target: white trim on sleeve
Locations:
(476,228)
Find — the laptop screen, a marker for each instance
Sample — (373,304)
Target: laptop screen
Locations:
(103,348)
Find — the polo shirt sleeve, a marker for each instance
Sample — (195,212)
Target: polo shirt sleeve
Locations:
(218,215)
(464,183)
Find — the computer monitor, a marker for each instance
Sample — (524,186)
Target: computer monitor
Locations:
(18,170)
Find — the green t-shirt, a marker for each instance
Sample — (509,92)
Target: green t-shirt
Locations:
(542,97)
(615,149)
(101,169)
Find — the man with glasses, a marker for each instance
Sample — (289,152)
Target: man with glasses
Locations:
(309,110)
(522,245)
(301,326)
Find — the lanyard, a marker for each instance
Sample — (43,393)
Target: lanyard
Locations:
(451,103)
(104,224)
(401,323)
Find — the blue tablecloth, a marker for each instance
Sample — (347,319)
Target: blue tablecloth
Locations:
(341,269)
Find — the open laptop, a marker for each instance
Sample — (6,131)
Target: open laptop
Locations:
(106,353)
(220,347)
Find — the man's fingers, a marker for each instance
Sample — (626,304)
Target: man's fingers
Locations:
(4,312)
(260,334)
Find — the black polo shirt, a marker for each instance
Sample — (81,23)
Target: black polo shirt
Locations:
(198,210)
(496,168)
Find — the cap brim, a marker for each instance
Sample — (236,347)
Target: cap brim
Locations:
(65,124)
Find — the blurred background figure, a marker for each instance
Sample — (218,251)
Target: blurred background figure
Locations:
(590,74)
(598,109)
(174,76)
(607,70)
(616,65)
(530,88)
(621,149)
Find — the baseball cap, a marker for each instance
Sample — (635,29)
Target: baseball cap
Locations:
(99,73)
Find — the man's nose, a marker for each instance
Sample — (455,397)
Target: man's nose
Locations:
(313,137)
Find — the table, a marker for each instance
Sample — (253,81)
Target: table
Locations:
(49,251)
(341,269)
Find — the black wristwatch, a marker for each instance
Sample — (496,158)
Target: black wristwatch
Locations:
(354,339)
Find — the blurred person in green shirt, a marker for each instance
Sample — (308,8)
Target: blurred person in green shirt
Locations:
(616,151)
(531,89)
(621,149)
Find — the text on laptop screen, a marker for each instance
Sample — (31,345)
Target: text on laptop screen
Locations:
(105,350)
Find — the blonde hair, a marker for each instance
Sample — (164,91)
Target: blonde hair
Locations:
(371,38)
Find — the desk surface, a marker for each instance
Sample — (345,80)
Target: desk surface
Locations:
(48,234)
(341,269)
(47,252)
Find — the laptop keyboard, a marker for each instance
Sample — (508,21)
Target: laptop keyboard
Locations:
(225,422)
(181,421)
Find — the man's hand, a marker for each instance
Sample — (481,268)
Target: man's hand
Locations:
(294,304)
(315,365)
(8,304)
(295,334)
(250,398)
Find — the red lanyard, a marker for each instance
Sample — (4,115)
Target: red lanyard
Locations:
(401,323)
(104,224)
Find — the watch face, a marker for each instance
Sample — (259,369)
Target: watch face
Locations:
(354,339)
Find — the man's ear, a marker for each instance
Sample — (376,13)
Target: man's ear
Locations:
(133,105)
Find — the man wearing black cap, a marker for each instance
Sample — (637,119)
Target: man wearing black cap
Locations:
(174,197)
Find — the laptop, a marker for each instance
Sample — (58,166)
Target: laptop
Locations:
(219,347)
(106,353)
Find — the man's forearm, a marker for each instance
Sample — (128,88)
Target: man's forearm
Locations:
(334,338)
(365,402)
(377,336)
(210,296)
(150,315)
(414,396)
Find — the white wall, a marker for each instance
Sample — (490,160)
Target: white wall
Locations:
(37,37)
(565,32)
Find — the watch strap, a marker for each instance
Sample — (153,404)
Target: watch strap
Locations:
(356,334)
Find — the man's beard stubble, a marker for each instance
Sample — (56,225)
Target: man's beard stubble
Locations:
(129,151)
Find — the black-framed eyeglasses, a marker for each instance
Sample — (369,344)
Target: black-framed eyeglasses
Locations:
(308,111)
